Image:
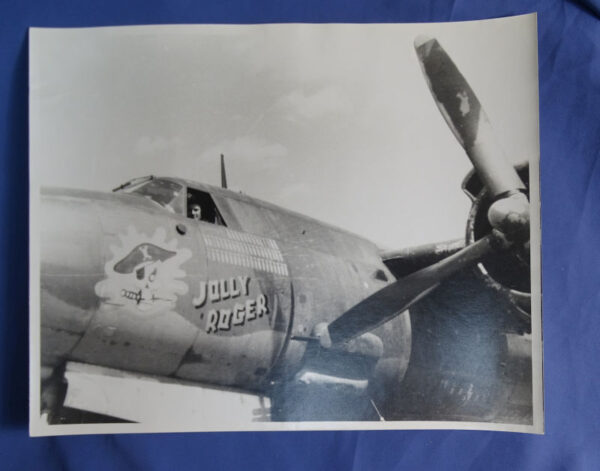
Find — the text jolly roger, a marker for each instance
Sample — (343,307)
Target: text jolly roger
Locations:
(237,315)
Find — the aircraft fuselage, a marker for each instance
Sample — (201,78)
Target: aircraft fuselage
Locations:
(131,285)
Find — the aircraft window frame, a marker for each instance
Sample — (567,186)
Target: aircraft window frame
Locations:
(173,204)
(210,212)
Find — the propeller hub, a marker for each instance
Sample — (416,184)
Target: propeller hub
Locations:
(510,215)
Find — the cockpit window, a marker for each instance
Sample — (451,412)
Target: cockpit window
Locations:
(201,207)
(163,192)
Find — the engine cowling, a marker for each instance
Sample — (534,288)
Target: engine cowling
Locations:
(507,272)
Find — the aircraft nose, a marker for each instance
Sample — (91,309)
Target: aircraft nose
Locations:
(70,264)
(70,249)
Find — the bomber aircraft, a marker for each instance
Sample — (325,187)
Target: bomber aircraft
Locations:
(174,282)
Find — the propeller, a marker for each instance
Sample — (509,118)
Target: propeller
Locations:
(469,123)
(508,215)
(375,310)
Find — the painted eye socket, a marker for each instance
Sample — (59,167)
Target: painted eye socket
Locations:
(139,273)
(152,276)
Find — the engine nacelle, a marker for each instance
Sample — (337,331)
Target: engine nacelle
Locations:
(508,272)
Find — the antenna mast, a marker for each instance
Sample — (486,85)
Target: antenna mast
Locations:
(223,174)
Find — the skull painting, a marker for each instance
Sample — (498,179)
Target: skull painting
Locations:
(144,261)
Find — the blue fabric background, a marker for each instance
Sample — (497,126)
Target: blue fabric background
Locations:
(569,60)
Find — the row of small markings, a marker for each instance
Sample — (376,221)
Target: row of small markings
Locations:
(248,261)
(251,239)
(246,250)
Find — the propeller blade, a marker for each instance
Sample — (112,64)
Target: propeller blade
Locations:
(397,297)
(466,118)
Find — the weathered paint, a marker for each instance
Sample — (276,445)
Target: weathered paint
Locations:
(213,304)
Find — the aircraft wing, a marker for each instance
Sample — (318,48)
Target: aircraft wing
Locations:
(100,394)
(406,261)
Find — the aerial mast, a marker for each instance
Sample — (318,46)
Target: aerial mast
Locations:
(223,174)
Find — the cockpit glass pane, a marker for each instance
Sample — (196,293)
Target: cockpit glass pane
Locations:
(161,191)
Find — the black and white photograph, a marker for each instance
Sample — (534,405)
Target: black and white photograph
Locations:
(285,227)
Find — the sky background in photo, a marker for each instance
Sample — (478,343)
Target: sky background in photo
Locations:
(335,122)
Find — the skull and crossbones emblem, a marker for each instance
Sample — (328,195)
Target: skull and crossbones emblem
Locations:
(145,273)
(144,261)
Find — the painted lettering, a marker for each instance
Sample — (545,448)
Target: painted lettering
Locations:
(239,314)
(251,309)
(235,290)
(261,305)
(211,323)
(213,291)
(244,281)
(220,290)
(199,300)
(224,319)
(224,289)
